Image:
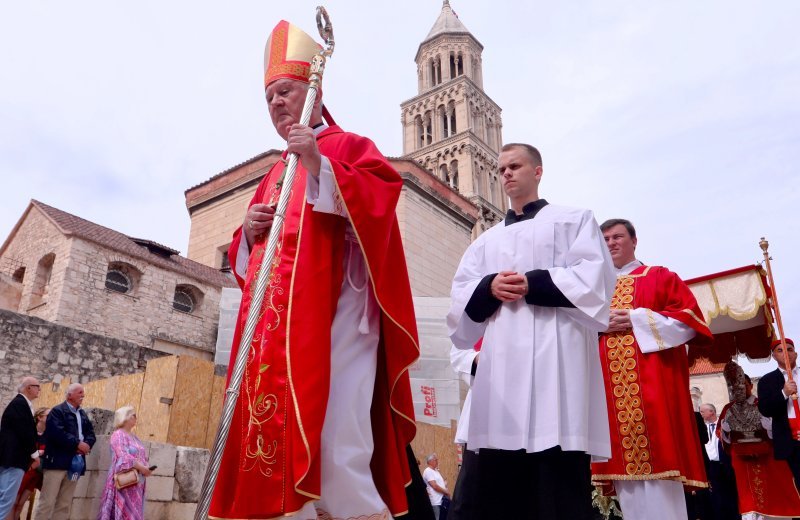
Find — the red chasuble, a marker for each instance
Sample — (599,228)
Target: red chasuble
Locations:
(652,424)
(271,464)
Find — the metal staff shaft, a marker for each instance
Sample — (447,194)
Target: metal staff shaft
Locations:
(264,275)
(764,244)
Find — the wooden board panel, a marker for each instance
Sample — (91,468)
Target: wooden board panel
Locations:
(439,440)
(448,455)
(158,386)
(188,421)
(129,391)
(101,394)
(215,410)
(423,443)
(51,394)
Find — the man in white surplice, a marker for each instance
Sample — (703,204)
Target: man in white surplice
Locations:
(537,287)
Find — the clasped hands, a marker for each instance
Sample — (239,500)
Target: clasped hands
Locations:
(619,320)
(509,286)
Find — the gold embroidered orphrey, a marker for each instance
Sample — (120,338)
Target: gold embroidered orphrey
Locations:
(259,453)
(621,353)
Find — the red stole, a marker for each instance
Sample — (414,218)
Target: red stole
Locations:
(652,425)
(271,463)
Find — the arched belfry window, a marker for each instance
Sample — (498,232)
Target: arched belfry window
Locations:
(451,114)
(443,174)
(427,129)
(443,121)
(453,179)
(436,71)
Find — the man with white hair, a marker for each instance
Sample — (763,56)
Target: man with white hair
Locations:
(17,442)
(325,412)
(437,488)
(69,438)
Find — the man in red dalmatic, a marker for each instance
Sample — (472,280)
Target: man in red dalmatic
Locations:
(655,450)
(325,412)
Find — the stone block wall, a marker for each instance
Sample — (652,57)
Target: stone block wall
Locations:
(213,227)
(36,238)
(32,346)
(434,241)
(141,315)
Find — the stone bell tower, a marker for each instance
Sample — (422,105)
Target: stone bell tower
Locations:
(451,127)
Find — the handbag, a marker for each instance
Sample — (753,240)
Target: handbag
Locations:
(126,478)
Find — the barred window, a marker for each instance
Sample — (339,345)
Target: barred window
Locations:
(183,301)
(118,281)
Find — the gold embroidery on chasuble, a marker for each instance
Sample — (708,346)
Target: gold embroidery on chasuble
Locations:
(261,401)
(621,354)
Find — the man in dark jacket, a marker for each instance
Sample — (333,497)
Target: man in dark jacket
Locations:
(17,443)
(68,433)
(775,400)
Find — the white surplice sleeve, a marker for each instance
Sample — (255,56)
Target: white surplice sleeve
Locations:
(461,361)
(242,256)
(322,192)
(654,332)
(588,278)
(464,332)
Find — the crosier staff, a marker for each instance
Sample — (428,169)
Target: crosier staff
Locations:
(764,244)
(264,274)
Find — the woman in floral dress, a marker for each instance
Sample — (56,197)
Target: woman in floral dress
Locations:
(127,452)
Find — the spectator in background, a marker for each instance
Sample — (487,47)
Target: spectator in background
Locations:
(722,482)
(33,477)
(437,488)
(17,443)
(127,452)
(69,438)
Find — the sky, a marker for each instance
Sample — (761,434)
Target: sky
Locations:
(681,116)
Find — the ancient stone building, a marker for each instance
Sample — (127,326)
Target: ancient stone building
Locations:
(75,273)
(451,127)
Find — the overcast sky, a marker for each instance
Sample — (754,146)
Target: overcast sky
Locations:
(682,116)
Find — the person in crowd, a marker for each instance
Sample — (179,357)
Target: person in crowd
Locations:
(325,414)
(437,487)
(655,446)
(721,479)
(32,480)
(127,453)
(69,438)
(777,399)
(537,288)
(18,451)
(765,485)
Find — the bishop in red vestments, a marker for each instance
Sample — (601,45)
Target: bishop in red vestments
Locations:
(325,411)
(655,449)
